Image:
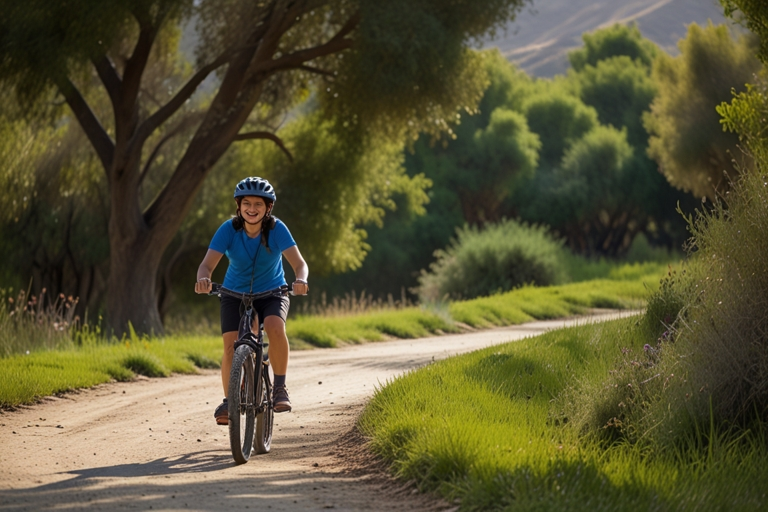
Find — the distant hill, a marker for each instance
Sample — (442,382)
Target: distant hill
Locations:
(540,38)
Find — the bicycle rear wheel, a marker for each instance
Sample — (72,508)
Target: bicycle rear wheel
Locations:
(265,414)
(241,404)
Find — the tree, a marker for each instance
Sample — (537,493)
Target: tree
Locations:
(620,90)
(558,119)
(687,141)
(611,42)
(386,69)
(754,15)
(746,113)
(589,199)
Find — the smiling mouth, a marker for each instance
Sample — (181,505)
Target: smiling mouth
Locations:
(250,218)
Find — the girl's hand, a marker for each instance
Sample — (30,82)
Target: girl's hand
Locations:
(300,287)
(203,285)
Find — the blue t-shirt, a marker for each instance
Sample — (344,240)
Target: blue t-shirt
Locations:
(241,249)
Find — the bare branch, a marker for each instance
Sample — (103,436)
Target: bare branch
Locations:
(317,71)
(97,135)
(174,104)
(137,62)
(268,136)
(109,77)
(180,127)
(153,155)
(296,59)
(149,94)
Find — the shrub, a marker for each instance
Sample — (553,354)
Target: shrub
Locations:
(667,306)
(721,344)
(497,258)
(703,364)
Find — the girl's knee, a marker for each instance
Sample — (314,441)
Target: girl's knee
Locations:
(274,326)
(229,342)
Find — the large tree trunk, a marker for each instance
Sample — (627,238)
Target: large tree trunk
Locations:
(132,279)
(135,252)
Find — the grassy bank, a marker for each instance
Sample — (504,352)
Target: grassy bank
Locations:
(623,287)
(490,430)
(64,364)
(25,378)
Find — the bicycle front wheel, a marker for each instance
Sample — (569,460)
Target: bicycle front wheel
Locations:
(241,404)
(265,414)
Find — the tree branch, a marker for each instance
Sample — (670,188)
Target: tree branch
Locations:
(172,133)
(166,111)
(296,59)
(137,62)
(109,77)
(265,135)
(97,135)
(317,71)
(154,153)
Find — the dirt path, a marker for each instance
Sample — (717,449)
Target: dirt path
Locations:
(153,444)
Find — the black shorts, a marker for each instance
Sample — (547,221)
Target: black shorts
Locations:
(232,309)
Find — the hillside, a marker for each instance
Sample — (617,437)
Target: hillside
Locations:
(539,40)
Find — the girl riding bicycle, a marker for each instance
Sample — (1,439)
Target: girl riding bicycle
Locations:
(254,242)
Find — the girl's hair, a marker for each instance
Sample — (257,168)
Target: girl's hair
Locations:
(267,224)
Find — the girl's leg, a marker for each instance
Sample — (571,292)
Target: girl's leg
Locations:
(229,339)
(279,353)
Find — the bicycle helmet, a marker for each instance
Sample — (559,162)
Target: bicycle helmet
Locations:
(255,186)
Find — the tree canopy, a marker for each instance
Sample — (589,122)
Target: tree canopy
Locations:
(687,139)
(754,15)
(611,42)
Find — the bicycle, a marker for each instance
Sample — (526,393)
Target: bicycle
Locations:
(250,408)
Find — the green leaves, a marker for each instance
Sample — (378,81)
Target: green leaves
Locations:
(686,137)
(559,119)
(621,90)
(618,40)
(753,14)
(410,70)
(44,42)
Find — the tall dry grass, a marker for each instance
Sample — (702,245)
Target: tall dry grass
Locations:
(720,349)
(699,356)
(351,303)
(30,323)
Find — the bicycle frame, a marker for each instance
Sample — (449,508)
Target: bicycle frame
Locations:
(250,399)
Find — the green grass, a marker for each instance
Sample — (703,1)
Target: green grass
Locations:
(327,331)
(26,378)
(624,287)
(489,429)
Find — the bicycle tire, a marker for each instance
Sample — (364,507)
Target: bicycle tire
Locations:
(265,419)
(241,404)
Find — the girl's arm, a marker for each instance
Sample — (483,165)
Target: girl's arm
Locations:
(204,271)
(300,268)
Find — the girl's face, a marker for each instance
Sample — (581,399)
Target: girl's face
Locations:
(253,209)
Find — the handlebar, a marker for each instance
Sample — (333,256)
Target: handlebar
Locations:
(218,290)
